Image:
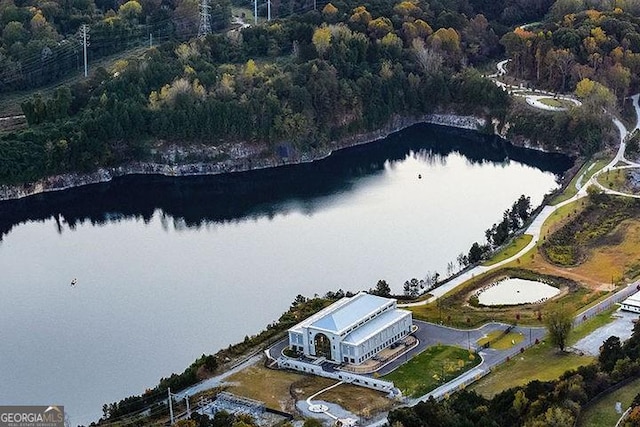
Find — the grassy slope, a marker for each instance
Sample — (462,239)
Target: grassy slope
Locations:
(431,368)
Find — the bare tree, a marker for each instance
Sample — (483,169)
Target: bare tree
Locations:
(428,59)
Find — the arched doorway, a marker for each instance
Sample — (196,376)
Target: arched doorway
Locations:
(322,345)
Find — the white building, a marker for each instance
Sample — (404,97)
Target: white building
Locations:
(632,303)
(351,330)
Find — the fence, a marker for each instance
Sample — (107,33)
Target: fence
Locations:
(347,377)
(460,383)
(619,296)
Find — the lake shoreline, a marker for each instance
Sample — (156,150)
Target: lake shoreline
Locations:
(239,158)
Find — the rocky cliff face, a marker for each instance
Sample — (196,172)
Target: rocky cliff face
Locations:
(178,160)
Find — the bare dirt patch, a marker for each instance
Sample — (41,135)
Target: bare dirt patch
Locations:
(267,385)
(281,389)
(614,259)
(597,246)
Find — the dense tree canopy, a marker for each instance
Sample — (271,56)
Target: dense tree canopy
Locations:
(302,82)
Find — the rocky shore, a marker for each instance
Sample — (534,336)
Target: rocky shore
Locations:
(177,160)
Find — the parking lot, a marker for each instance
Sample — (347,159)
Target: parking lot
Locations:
(621,327)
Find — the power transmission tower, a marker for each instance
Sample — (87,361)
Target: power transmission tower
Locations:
(255,12)
(85,42)
(268,10)
(205,18)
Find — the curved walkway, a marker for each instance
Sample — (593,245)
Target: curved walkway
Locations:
(536,101)
(533,100)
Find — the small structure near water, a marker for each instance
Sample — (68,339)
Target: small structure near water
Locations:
(514,291)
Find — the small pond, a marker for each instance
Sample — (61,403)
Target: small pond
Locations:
(513,291)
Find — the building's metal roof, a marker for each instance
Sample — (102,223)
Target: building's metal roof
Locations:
(374,326)
(344,313)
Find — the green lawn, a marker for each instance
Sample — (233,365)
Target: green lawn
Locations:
(432,368)
(603,412)
(514,247)
(614,179)
(502,342)
(557,103)
(540,362)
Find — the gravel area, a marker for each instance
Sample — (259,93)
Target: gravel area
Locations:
(621,327)
(334,409)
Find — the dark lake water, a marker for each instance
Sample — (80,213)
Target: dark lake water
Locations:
(168,269)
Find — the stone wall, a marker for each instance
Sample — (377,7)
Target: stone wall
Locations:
(232,157)
(348,377)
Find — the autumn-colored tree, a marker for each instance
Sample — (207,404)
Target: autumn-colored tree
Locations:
(392,44)
(380,27)
(322,39)
(329,10)
(618,79)
(360,15)
(130,10)
(595,96)
(407,10)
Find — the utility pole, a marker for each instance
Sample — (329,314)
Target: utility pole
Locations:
(268,10)
(315,4)
(205,18)
(186,397)
(170,404)
(85,30)
(150,39)
(255,12)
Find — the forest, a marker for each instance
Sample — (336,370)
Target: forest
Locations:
(304,80)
